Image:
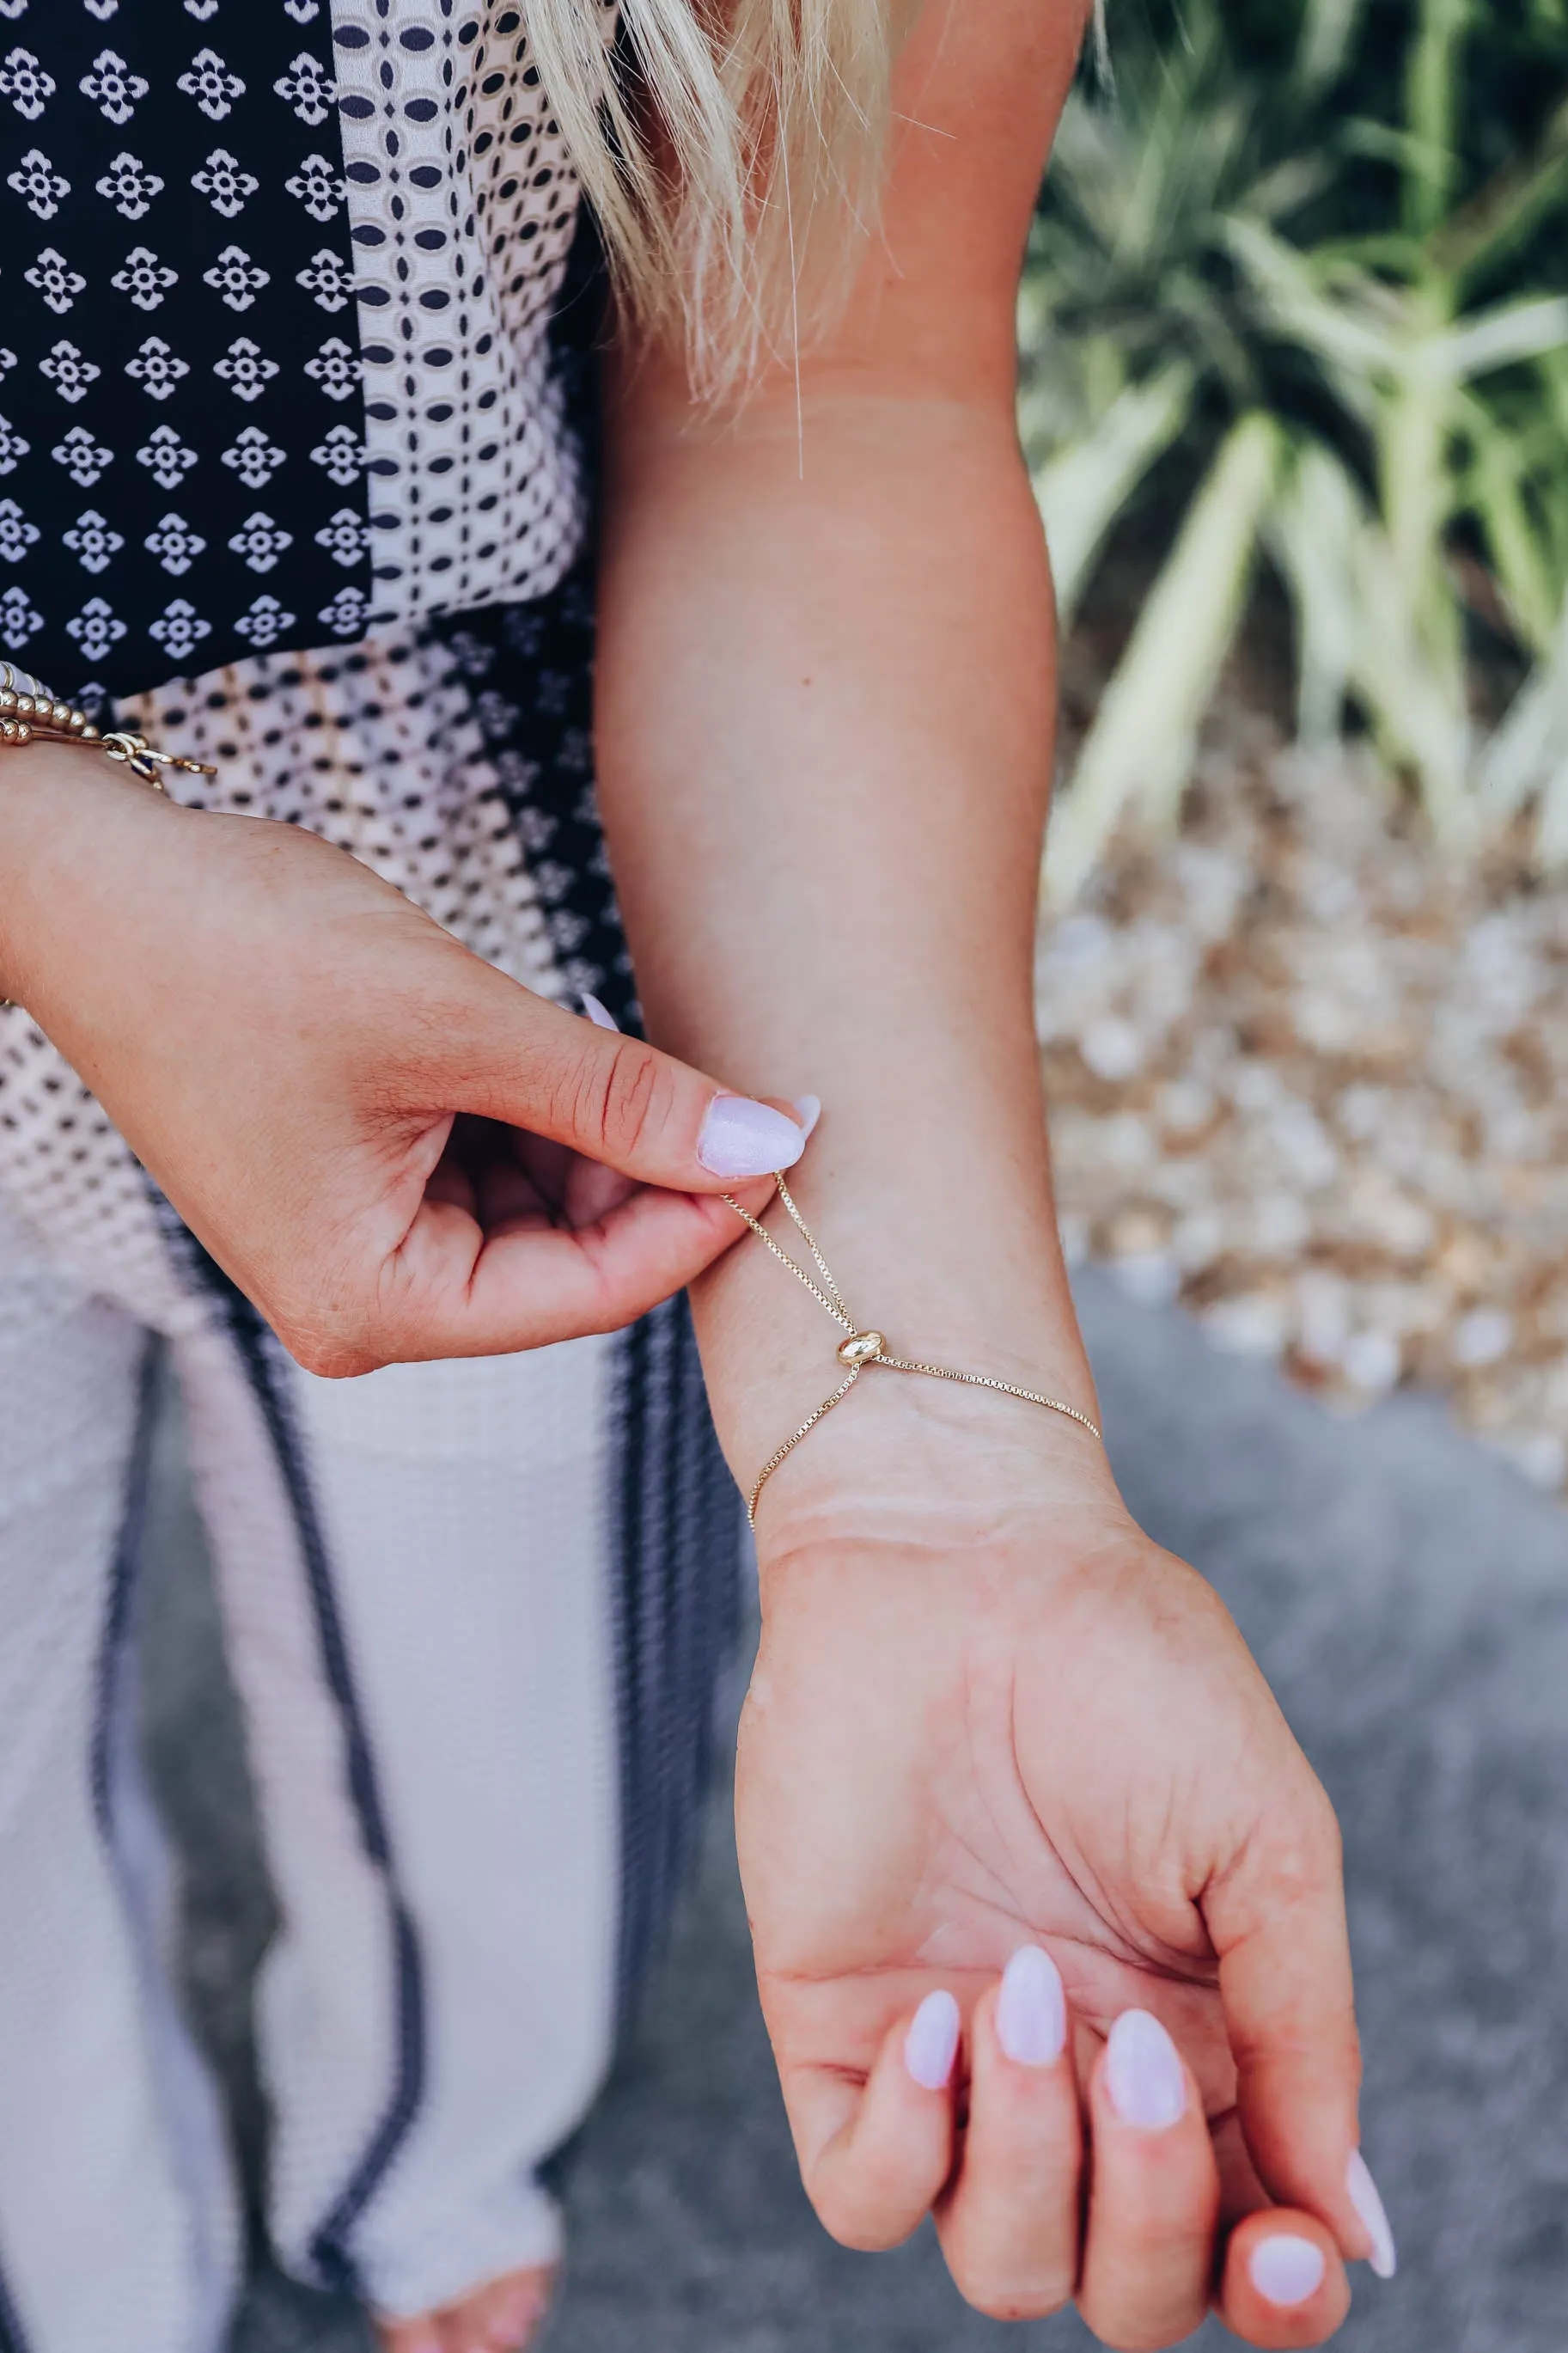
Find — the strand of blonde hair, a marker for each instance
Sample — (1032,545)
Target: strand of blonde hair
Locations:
(735,160)
(734,153)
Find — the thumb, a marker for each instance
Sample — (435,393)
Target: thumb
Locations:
(1276,1920)
(616,1099)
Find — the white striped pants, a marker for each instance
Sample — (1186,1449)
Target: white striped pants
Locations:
(473,1611)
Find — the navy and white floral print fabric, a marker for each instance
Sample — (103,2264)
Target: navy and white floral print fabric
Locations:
(181,423)
(276,283)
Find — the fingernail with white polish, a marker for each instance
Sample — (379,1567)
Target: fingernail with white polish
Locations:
(743,1138)
(930,2046)
(1363,2196)
(1031,2008)
(1286,2270)
(1143,2072)
(599,1014)
(810,1110)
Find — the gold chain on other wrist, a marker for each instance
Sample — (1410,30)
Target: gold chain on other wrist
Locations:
(865,1347)
(29,714)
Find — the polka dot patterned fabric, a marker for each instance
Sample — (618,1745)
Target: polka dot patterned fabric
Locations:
(463,205)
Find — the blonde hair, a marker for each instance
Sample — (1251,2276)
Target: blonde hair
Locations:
(733,154)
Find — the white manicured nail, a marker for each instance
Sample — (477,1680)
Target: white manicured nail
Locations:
(1286,2270)
(1363,2196)
(599,1014)
(930,2046)
(810,1110)
(1031,2008)
(743,1138)
(1143,2072)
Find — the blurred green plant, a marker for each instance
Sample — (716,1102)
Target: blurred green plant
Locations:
(1300,281)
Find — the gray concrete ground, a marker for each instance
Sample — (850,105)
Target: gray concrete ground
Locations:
(1409,1599)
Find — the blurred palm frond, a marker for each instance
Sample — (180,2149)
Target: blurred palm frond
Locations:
(1298,287)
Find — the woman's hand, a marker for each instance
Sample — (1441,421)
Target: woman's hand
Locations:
(396,1150)
(990,1718)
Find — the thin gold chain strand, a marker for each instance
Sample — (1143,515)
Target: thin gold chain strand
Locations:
(834,1306)
(806,1427)
(985,1381)
(787,1198)
(871,1344)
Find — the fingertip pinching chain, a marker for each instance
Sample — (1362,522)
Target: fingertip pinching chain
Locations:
(865,1345)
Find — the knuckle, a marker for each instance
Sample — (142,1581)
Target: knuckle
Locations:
(852,2222)
(1325,1831)
(1123,2332)
(861,2233)
(621,1098)
(862,2217)
(331,1354)
(1306,1850)
(1000,2298)
(1295,1851)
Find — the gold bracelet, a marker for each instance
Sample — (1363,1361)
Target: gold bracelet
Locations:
(864,1346)
(30,714)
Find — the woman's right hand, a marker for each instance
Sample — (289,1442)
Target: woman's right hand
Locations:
(395,1150)
(990,1718)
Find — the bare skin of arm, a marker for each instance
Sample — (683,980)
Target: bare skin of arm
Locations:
(987,1712)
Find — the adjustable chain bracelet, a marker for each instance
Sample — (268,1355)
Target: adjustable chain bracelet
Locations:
(29,714)
(863,1347)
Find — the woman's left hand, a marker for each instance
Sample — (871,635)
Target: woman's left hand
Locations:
(396,1150)
(974,1730)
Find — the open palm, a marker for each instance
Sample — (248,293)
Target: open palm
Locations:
(1048,1734)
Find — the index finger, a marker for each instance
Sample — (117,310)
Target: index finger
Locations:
(1277,1920)
(875,2151)
(453,1290)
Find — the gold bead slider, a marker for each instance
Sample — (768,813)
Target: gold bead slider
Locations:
(864,1348)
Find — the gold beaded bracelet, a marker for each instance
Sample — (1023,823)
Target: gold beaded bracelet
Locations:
(29,714)
(864,1346)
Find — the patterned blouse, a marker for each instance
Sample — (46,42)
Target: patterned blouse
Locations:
(295,318)
(280,368)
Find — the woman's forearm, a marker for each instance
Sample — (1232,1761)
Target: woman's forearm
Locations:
(826,715)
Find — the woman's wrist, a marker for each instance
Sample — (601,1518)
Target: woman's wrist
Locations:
(953,1268)
(61,809)
(931,1470)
